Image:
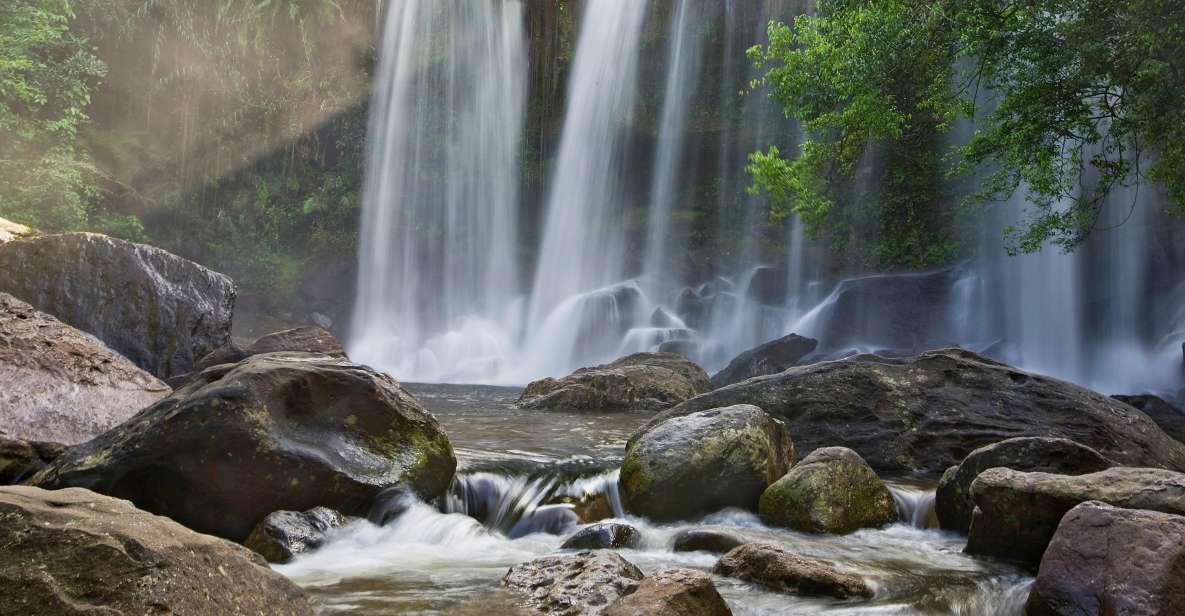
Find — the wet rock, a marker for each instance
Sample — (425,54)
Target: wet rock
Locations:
(674,592)
(642,381)
(603,536)
(298,340)
(769,358)
(921,415)
(686,348)
(777,569)
(691,308)
(662,318)
(832,490)
(1106,560)
(284,534)
(279,431)
(700,463)
(714,541)
(1016,513)
(20,458)
(59,384)
(1110,560)
(1170,418)
(573,585)
(160,311)
(1029,454)
(548,519)
(76,552)
(768,286)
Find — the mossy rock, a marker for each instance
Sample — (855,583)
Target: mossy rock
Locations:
(277,431)
(833,490)
(704,462)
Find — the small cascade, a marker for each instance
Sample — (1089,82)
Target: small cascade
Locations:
(915,505)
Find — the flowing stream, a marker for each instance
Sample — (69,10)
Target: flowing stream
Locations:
(448,557)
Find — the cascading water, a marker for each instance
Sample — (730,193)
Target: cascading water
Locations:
(438,281)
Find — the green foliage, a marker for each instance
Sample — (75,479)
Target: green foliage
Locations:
(1072,98)
(46,78)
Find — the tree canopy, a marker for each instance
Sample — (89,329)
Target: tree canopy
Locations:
(1069,99)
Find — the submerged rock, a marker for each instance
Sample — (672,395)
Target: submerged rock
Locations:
(832,490)
(1170,418)
(696,464)
(284,534)
(160,311)
(573,585)
(674,592)
(1016,513)
(280,431)
(20,458)
(1106,560)
(59,384)
(696,540)
(777,569)
(76,552)
(921,415)
(769,358)
(606,535)
(642,381)
(1059,456)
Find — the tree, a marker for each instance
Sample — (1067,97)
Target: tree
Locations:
(1070,99)
(46,78)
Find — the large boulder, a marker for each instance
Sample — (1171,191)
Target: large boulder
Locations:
(921,415)
(706,540)
(603,536)
(155,308)
(20,458)
(1016,513)
(674,592)
(832,490)
(61,385)
(642,381)
(769,358)
(780,570)
(583,584)
(308,339)
(76,552)
(702,462)
(1105,560)
(284,534)
(279,431)
(1170,418)
(952,502)
(904,313)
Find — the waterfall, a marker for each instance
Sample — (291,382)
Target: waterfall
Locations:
(438,275)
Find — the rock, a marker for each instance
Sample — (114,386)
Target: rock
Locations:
(299,339)
(703,462)
(573,584)
(61,385)
(283,534)
(908,312)
(921,415)
(1059,456)
(777,569)
(279,431)
(13,231)
(160,311)
(1016,513)
(674,592)
(768,286)
(642,381)
(1105,560)
(76,552)
(662,318)
(686,348)
(606,535)
(1168,417)
(20,458)
(714,541)
(832,490)
(769,358)
(691,308)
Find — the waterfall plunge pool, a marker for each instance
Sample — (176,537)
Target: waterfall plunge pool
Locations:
(449,558)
